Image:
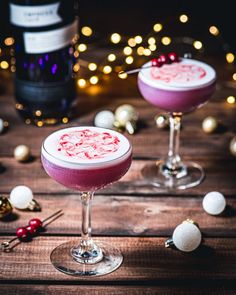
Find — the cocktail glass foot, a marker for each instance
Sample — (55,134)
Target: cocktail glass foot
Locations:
(63,259)
(158,174)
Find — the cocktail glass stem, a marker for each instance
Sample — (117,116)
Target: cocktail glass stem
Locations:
(173,166)
(87,251)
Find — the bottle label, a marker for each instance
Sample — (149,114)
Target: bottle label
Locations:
(48,41)
(35,16)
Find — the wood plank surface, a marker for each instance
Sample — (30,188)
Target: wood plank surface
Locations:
(145,259)
(220,175)
(127,216)
(130,214)
(199,289)
(192,136)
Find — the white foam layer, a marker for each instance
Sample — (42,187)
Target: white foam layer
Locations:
(51,152)
(174,82)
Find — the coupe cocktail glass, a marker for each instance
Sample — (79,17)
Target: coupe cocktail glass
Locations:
(86,159)
(177,88)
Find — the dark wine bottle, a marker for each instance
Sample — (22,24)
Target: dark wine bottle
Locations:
(45,33)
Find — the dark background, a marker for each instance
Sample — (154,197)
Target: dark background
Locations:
(130,17)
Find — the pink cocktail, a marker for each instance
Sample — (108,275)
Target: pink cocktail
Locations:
(86,159)
(177,88)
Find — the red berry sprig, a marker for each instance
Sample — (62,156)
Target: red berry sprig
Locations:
(165,59)
(26,233)
(156,62)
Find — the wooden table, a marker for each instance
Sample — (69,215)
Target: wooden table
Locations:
(131,214)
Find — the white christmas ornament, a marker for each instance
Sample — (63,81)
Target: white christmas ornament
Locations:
(186,237)
(22,153)
(104,119)
(1,125)
(214,203)
(21,197)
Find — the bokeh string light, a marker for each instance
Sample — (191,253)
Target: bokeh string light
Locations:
(125,51)
(230,99)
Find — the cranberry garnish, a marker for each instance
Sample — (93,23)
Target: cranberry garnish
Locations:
(155,63)
(31,229)
(173,57)
(22,233)
(37,223)
(164,59)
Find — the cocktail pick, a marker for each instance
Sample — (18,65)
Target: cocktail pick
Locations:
(134,70)
(24,233)
(155,62)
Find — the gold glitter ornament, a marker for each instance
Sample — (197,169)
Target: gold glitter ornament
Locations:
(5,207)
(22,153)
(162,121)
(209,124)
(126,117)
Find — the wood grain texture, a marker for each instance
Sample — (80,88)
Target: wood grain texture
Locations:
(199,289)
(220,175)
(131,214)
(147,142)
(145,259)
(127,216)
